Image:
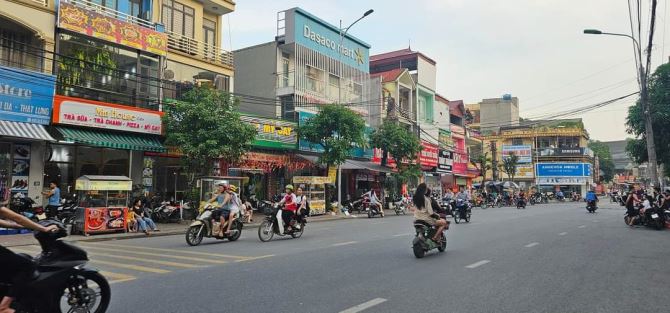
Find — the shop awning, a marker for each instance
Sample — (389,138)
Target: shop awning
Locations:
(24,130)
(350,164)
(102,138)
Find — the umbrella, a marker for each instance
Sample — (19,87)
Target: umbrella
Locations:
(509,184)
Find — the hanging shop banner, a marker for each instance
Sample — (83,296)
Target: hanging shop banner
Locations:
(428,155)
(523,171)
(563,169)
(116,30)
(81,112)
(460,163)
(524,152)
(271,133)
(444,138)
(26,96)
(148,171)
(332,174)
(445,161)
(20,168)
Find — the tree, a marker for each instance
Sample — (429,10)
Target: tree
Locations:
(602,151)
(206,127)
(509,165)
(400,144)
(483,163)
(659,97)
(337,130)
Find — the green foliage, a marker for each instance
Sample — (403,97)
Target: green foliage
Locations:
(483,163)
(509,165)
(401,144)
(84,64)
(206,127)
(337,130)
(604,157)
(659,97)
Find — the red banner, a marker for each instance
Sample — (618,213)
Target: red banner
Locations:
(428,155)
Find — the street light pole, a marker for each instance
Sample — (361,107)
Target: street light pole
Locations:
(644,101)
(343,33)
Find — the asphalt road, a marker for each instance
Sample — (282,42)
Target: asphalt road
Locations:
(547,258)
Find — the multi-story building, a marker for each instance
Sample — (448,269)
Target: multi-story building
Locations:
(397,88)
(116,64)
(26,93)
(552,154)
(473,116)
(498,112)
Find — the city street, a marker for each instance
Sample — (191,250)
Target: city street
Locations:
(547,258)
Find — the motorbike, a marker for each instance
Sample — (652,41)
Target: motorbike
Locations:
(591,206)
(520,203)
(166,212)
(59,282)
(423,241)
(462,211)
(355,205)
(652,217)
(545,198)
(372,210)
(270,226)
(398,205)
(24,205)
(560,198)
(205,225)
(65,213)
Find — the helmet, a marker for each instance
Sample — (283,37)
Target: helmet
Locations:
(233,188)
(290,187)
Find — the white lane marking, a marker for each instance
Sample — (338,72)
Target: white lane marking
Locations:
(478,264)
(563,234)
(400,235)
(581,226)
(364,306)
(344,243)
(377,223)
(532,244)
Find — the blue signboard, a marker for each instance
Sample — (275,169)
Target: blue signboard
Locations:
(305,145)
(26,96)
(563,169)
(316,34)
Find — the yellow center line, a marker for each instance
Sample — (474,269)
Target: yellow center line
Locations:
(131,267)
(155,254)
(132,258)
(167,250)
(256,258)
(116,281)
(113,275)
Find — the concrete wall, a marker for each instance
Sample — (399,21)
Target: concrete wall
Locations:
(255,69)
(427,74)
(497,112)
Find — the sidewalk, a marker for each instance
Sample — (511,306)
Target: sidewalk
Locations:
(165,230)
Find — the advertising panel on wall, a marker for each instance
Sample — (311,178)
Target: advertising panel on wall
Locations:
(429,155)
(444,138)
(562,180)
(524,171)
(82,112)
(272,133)
(563,151)
(524,152)
(81,20)
(445,161)
(314,33)
(563,169)
(460,163)
(26,96)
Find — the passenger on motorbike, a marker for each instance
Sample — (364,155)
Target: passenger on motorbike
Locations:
(235,205)
(424,211)
(15,268)
(222,199)
(290,203)
(374,201)
(302,211)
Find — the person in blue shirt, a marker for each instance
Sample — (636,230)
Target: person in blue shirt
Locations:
(54,200)
(591,197)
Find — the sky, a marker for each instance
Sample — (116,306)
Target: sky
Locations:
(532,49)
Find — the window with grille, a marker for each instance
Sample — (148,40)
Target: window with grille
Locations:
(178,18)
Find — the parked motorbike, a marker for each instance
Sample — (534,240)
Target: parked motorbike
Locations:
(24,205)
(520,203)
(166,212)
(423,241)
(545,198)
(65,213)
(591,206)
(270,226)
(462,211)
(205,225)
(652,217)
(59,282)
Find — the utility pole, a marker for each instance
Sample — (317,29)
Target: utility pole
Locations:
(494,160)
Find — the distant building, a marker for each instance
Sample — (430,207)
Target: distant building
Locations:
(622,161)
(498,112)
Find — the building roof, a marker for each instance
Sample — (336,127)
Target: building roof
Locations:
(545,123)
(619,155)
(400,54)
(457,108)
(440,98)
(389,76)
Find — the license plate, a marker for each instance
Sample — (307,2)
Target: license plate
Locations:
(654,215)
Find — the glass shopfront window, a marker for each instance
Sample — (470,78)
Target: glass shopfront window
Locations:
(19,47)
(99,71)
(65,163)
(181,78)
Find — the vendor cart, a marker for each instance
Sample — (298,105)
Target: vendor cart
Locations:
(313,188)
(103,204)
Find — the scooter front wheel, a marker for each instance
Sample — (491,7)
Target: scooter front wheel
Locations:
(266,231)
(194,235)
(86,291)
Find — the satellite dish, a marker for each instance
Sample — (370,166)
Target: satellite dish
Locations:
(168,74)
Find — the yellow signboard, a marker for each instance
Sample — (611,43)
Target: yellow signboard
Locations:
(317,207)
(313,180)
(332,174)
(83,184)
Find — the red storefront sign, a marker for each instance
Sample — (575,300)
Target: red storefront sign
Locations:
(377,158)
(460,163)
(428,155)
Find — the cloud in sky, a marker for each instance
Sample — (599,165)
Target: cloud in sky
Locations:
(533,49)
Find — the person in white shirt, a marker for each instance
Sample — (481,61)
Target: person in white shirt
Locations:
(374,201)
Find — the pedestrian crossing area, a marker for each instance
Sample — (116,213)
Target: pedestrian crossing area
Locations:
(126,262)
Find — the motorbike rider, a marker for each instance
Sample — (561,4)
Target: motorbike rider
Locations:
(560,195)
(522,197)
(14,267)
(374,201)
(284,215)
(235,205)
(222,199)
(591,197)
(424,211)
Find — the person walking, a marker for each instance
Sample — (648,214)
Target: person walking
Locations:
(54,200)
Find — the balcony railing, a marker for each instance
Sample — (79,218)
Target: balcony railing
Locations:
(111,13)
(40,2)
(203,51)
